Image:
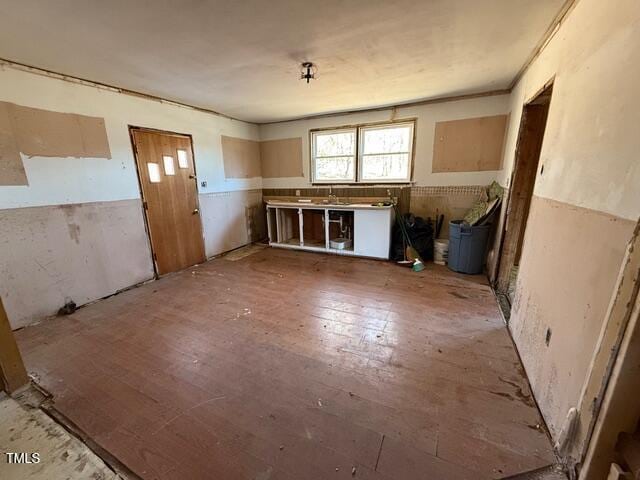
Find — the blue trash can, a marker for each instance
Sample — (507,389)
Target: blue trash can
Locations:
(467,246)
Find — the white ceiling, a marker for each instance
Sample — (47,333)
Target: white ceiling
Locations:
(242,57)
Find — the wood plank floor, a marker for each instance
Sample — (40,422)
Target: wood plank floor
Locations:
(295,365)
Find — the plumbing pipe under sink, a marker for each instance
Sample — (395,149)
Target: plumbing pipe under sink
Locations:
(344,241)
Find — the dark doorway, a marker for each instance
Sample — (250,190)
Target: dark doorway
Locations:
(523,179)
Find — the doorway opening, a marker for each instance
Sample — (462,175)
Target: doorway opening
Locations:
(525,171)
(167,177)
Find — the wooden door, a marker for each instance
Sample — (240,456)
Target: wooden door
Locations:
(169,191)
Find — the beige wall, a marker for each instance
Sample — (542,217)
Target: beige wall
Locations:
(568,269)
(427,116)
(590,150)
(76,230)
(62,180)
(451,193)
(79,252)
(232,219)
(587,199)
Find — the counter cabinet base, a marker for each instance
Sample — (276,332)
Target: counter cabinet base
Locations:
(312,228)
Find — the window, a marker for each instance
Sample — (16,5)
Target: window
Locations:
(333,157)
(169,168)
(183,159)
(385,153)
(366,154)
(154,172)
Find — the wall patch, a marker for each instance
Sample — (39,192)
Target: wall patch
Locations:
(469,145)
(43,133)
(241,157)
(281,158)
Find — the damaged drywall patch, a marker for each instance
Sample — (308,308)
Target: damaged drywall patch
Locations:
(281,158)
(244,158)
(11,167)
(45,133)
(469,145)
(35,132)
(241,157)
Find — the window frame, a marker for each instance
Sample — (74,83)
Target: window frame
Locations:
(330,131)
(357,128)
(361,154)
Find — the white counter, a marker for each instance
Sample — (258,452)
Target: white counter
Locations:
(369,227)
(331,206)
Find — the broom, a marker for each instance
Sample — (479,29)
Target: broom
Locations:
(410,252)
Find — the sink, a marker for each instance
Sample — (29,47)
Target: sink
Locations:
(335,204)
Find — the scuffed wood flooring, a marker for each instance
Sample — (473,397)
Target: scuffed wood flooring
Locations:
(294,365)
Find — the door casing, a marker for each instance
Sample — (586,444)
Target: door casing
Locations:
(523,178)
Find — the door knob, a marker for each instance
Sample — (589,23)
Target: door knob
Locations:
(195,210)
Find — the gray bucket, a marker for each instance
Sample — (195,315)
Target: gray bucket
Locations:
(467,246)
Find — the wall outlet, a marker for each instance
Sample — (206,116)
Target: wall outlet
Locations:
(297,193)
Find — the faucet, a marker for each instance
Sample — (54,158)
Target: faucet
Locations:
(333,199)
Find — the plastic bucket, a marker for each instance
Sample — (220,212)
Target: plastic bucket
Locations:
(467,247)
(440,251)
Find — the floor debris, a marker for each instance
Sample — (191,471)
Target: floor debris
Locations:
(68,308)
(52,452)
(552,472)
(243,252)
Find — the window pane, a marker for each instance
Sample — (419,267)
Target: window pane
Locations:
(387,140)
(169,168)
(154,172)
(385,167)
(335,144)
(336,168)
(183,159)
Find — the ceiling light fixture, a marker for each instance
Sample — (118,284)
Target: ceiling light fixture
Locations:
(308,71)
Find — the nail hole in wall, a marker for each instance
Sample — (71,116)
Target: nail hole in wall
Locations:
(547,337)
